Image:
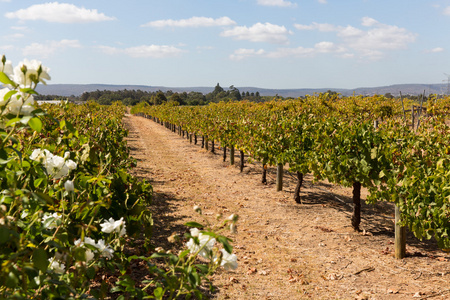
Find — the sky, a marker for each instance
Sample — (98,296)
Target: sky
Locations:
(277,44)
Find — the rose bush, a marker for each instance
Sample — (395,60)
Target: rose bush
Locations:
(68,203)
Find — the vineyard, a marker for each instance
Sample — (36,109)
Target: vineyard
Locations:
(399,155)
(77,222)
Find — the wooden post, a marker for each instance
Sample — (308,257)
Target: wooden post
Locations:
(279,177)
(403,107)
(224,153)
(195,139)
(242,160)
(206,143)
(190,138)
(400,237)
(356,217)
(420,110)
(232,155)
(412,117)
(213,150)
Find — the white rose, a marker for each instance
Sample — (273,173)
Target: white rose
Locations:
(229,261)
(68,186)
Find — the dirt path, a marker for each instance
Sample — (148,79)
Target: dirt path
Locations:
(285,250)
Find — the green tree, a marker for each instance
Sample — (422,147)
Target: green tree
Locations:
(159,98)
(176,98)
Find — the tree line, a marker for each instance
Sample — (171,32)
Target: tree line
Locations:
(133,97)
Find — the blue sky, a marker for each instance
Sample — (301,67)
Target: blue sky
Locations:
(258,43)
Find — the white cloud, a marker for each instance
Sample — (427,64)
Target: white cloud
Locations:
(49,48)
(368,22)
(58,13)
(435,50)
(205,47)
(19,28)
(259,32)
(243,53)
(14,36)
(371,43)
(322,47)
(446,11)
(323,27)
(6,48)
(281,3)
(291,52)
(328,47)
(191,22)
(154,51)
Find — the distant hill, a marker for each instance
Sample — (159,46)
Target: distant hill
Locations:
(405,89)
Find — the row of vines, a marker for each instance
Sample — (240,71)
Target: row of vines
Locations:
(71,214)
(334,138)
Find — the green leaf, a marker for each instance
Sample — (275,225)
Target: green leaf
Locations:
(28,91)
(38,182)
(198,294)
(224,240)
(158,292)
(40,259)
(43,197)
(116,289)
(79,254)
(9,94)
(70,127)
(12,281)
(5,79)
(35,124)
(4,157)
(203,268)
(12,121)
(4,234)
(90,272)
(184,253)
(194,224)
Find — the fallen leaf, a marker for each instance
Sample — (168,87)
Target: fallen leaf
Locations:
(417,295)
(252,271)
(334,276)
(386,251)
(324,229)
(233,280)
